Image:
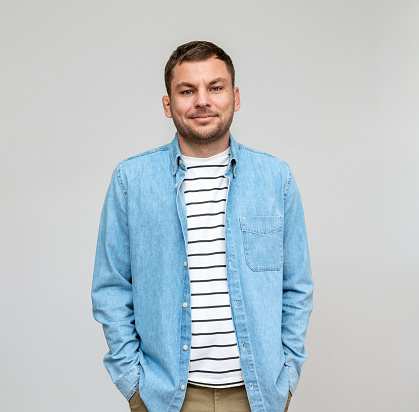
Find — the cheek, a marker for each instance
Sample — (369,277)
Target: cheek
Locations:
(180,109)
(226,104)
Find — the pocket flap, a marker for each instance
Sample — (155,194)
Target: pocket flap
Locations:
(263,225)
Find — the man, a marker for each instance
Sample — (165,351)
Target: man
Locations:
(202,278)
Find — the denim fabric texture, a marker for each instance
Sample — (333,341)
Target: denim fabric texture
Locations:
(141,281)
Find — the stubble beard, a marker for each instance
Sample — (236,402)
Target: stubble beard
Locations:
(200,136)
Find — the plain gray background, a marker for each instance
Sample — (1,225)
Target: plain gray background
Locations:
(331,87)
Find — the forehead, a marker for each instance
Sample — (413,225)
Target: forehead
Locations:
(198,71)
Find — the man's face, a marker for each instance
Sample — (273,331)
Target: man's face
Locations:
(203,101)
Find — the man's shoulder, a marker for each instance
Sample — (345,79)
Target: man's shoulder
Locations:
(263,158)
(144,157)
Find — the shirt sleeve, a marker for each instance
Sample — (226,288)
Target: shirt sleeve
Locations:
(297,284)
(112,289)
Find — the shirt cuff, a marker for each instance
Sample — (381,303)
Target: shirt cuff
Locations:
(294,377)
(127,383)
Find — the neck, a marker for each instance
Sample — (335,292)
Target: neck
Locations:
(192,149)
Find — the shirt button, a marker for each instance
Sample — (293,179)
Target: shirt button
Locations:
(180,161)
(235,303)
(185,305)
(175,184)
(185,263)
(251,385)
(185,347)
(182,387)
(244,346)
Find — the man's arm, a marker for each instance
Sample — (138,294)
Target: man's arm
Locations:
(297,284)
(112,290)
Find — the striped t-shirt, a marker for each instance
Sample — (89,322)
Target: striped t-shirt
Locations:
(214,358)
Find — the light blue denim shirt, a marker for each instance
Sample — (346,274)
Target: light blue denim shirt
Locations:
(141,280)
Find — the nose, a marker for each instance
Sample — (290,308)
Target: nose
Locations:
(202,99)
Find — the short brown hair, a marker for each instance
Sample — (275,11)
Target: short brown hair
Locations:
(195,51)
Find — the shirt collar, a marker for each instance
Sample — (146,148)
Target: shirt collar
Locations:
(175,154)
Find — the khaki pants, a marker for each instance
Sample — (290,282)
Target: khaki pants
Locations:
(202,399)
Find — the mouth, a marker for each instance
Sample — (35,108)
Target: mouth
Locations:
(202,118)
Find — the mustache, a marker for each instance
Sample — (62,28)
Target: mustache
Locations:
(202,112)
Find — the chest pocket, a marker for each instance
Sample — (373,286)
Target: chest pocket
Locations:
(263,242)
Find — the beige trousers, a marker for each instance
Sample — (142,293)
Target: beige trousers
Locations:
(202,399)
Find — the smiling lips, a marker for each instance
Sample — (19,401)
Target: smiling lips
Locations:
(202,117)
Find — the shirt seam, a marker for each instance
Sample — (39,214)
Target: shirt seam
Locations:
(148,152)
(121,184)
(287,186)
(243,147)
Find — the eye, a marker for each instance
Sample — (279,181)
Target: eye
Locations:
(186,92)
(216,88)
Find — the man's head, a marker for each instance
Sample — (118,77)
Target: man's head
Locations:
(196,51)
(201,96)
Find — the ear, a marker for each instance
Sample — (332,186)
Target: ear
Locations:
(166,106)
(236,99)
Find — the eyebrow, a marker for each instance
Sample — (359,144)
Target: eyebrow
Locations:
(212,82)
(218,80)
(183,84)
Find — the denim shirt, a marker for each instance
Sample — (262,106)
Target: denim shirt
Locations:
(141,289)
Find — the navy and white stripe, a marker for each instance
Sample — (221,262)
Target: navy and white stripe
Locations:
(214,353)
